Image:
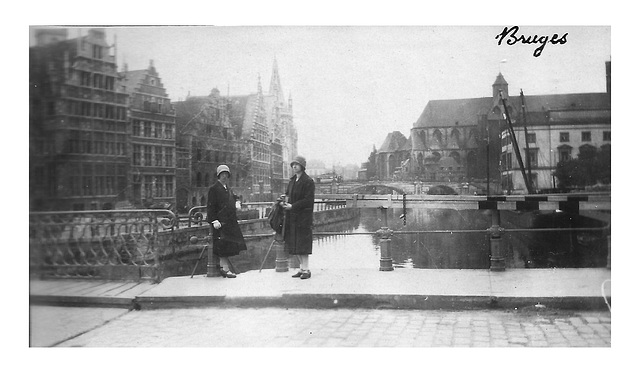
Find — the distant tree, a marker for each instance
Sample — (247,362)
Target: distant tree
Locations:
(591,166)
(371,166)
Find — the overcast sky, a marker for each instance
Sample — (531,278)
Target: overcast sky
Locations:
(353,85)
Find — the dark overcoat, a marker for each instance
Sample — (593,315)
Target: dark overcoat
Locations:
(299,220)
(221,206)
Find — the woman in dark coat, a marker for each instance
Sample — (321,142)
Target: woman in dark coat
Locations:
(299,216)
(221,213)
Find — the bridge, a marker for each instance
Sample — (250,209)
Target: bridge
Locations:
(148,244)
(398,187)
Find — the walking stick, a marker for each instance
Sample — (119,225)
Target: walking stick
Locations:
(265,257)
(198,261)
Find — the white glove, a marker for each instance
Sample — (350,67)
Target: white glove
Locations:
(216,224)
(238,205)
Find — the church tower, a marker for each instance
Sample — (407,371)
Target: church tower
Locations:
(275,89)
(500,84)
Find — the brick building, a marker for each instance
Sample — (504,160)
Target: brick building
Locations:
(78,123)
(205,139)
(152,172)
(466,140)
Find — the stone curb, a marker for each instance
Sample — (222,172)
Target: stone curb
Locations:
(374,301)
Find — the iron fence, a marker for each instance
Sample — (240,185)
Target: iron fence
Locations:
(97,244)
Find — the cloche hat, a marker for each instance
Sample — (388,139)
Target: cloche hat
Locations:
(299,160)
(222,168)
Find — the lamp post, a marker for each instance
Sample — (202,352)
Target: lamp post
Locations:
(487,151)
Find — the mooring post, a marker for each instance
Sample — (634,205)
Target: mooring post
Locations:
(213,262)
(495,232)
(282,258)
(384,233)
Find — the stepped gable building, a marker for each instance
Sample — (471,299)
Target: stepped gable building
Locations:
(152,173)
(205,139)
(265,125)
(453,140)
(78,124)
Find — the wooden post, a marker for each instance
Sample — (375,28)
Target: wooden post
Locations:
(213,262)
(386,262)
(497,257)
(282,259)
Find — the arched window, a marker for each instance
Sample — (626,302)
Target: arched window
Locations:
(198,179)
(438,135)
(455,135)
(203,201)
(206,179)
(423,138)
(456,156)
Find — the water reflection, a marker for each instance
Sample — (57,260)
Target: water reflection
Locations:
(448,250)
(462,250)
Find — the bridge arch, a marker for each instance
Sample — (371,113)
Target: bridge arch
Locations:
(376,189)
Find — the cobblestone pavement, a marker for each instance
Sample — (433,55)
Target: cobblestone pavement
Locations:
(277,327)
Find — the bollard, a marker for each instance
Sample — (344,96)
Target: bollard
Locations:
(497,257)
(386,262)
(282,259)
(213,262)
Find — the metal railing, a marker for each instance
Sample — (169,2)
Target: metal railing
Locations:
(94,244)
(120,243)
(197,215)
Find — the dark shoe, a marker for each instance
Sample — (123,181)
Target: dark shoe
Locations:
(305,275)
(297,274)
(227,274)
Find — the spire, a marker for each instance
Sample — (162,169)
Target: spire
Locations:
(275,88)
(259,85)
(500,85)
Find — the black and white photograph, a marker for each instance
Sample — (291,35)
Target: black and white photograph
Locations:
(321,187)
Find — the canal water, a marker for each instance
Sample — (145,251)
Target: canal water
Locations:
(451,250)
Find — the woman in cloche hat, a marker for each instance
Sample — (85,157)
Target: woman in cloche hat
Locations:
(298,237)
(221,213)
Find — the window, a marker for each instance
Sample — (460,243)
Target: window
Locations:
(565,155)
(109,83)
(168,184)
(148,186)
(168,157)
(87,176)
(564,136)
(136,127)
(586,136)
(532,157)
(97,51)
(147,155)
(136,155)
(531,138)
(158,156)
(158,130)
(168,131)
(147,129)
(110,143)
(121,145)
(159,186)
(606,136)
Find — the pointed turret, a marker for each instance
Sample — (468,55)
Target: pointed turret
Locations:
(275,89)
(500,84)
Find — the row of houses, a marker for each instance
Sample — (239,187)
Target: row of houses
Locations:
(101,138)
(466,140)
